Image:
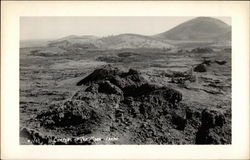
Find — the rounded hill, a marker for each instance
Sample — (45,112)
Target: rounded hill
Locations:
(201,28)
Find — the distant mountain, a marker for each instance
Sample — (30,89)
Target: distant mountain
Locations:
(223,40)
(198,29)
(131,41)
(112,42)
(195,32)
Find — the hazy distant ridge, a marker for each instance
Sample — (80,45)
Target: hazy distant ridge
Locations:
(115,42)
(198,29)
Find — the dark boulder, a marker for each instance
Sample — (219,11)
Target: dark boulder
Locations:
(116,76)
(106,72)
(220,62)
(139,90)
(200,68)
(211,118)
(132,72)
(211,130)
(211,136)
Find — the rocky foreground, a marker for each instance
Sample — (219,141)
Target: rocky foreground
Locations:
(112,102)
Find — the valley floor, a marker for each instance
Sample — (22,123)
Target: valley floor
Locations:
(206,97)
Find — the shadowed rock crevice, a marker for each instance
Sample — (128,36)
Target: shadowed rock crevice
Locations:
(212,129)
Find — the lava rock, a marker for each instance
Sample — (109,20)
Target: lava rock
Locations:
(211,118)
(179,119)
(171,95)
(70,113)
(92,88)
(211,130)
(132,72)
(107,87)
(221,62)
(25,133)
(202,50)
(207,62)
(210,136)
(106,72)
(200,68)
(111,96)
(146,110)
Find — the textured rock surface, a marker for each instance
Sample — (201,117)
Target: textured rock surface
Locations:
(111,101)
(212,129)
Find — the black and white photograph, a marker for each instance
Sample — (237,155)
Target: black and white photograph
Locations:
(163,80)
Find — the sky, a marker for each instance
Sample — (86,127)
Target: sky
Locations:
(58,27)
